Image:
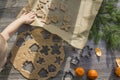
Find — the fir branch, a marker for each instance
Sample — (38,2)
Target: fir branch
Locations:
(107,25)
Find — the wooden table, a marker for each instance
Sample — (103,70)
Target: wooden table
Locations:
(104,65)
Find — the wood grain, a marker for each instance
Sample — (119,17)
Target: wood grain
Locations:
(104,65)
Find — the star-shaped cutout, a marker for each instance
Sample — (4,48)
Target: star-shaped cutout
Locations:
(86,52)
(58,60)
(45,50)
(45,34)
(34,48)
(41,60)
(55,49)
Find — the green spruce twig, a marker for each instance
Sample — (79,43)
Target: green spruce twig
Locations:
(107,25)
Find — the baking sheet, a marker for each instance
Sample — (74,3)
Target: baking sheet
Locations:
(80,17)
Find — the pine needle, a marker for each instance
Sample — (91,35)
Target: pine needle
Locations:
(107,25)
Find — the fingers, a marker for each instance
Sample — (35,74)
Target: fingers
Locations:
(31,20)
(24,13)
(28,18)
(31,15)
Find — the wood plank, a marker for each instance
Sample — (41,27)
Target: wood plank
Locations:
(105,65)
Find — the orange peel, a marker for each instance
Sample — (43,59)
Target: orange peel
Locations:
(98,51)
(117,71)
(118,61)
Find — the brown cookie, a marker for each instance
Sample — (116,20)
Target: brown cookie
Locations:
(52,5)
(63,7)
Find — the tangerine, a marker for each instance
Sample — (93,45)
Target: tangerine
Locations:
(79,71)
(92,74)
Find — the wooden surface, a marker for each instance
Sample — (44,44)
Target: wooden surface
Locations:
(104,65)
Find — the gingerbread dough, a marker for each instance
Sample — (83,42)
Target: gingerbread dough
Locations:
(37,54)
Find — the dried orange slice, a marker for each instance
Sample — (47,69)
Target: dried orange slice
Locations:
(98,51)
(118,61)
(117,71)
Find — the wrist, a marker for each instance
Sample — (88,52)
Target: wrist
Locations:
(21,20)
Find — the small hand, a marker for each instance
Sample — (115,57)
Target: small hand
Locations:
(28,18)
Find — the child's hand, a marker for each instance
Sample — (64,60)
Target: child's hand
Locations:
(28,18)
(11,28)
